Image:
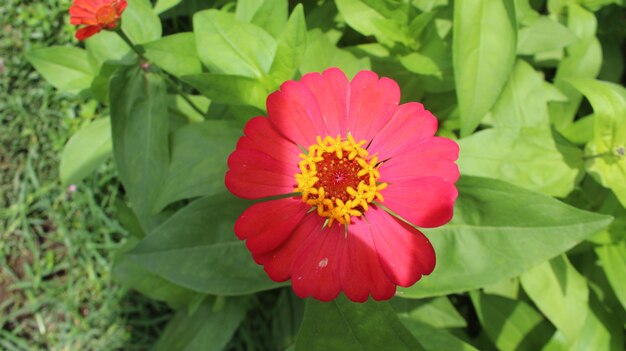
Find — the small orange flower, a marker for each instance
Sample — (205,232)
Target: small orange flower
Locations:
(96,14)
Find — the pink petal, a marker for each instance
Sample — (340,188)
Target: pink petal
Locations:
(253,175)
(425,202)
(261,136)
(360,270)
(404,252)
(372,103)
(266,225)
(331,90)
(278,264)
(295,113)
(86,32)
(316,266)
(432,157)
(409,124)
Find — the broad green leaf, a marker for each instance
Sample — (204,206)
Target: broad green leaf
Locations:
(613,259)
(511,324)
(606,155)
(136,277)
(198,161)
(581,131)
(612,59)
(437,49)
(139,123)
(434,339)
(600,331)
(228,46)
(287,319)
(164,5)
(438,312)
(344,325)
(291,48)
(560,293)
(270,15)
(583,60)
(140,22)
(544,34)
(175,54)
(108,46)
(228,89)
(369,18)
(520,148)
(499,231)
(322,54)
(209,328)
(85,151)
(179,105)
(420,64)
(197,249)
(65,67)
(483,50)
(506,287)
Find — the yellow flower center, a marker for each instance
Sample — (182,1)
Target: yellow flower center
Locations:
(106,15)
(338,178)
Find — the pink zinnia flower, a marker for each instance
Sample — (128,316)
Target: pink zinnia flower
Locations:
(359,171)
(96,14)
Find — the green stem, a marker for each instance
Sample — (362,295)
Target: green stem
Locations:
(140,52)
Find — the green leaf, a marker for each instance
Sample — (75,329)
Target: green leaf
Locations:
(520,148)
(544,34)
(198,161)
(613,259)
(438,312)
(287,319)
(583,60)
(483,50)
(139,122)
(164,5)
(65,67)
(85,151)
(560,293)
(228,89)
(140,22)
(498,232)
(420,64)
(270,15)
(321,54)
(175,54)
(344,325)
(433,338)
(136,277)
(210,328)
(581,131)
(370,18)
(511,324)
(108,46)
(197,249)
(606,155)
(291,48)
(232,47)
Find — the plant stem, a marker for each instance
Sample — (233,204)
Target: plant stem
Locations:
(140,52)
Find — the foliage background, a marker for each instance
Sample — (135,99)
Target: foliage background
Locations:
(517,267)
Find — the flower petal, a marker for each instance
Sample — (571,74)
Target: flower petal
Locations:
(295,113)
(331,90)
(316,266)
(278,264)
(259,135)
(360,270)
(253,175)
(426,202)
(432,157)
(404,252)
(266,225)
(410,123)
(372,103)
(86,32)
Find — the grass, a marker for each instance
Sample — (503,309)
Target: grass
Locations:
(56,289)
